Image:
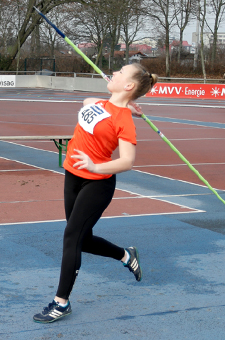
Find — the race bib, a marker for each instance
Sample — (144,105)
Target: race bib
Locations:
(90,115)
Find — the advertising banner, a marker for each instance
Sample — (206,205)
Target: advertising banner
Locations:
(7,81)
(194,91)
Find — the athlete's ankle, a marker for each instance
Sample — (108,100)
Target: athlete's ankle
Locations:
(61,301)
(126,257)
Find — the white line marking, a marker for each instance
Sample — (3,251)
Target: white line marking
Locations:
(158,196)
(31,201)
(157,214)
(183,105)
(163,200)
(181,195)
(178,180)
(178,139)
(160,118)
(26,123)
(43,100)
(155,197)
(177,204)
(173,165)
(27,146)
(194,124)
(37,167)
(159,199)
(17,170)
(80,101)
(192,210)
(110,217)
(34,222)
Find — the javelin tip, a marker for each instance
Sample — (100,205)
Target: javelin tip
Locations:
(36,9)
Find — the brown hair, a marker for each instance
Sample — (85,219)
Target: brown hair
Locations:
(145,81)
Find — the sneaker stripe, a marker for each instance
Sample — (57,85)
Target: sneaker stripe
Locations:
(134,265)
(55,313)
(52,313)
(54,316)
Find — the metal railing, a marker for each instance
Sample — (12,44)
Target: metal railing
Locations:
(94,75)
(192,80)
(54,74)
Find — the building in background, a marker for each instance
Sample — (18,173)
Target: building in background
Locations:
(208,38)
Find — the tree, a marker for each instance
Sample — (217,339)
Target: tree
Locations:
(218,9)
(183,15)
(6,27)
(11,15)
(18,41)
(202,19)
(114,17)
(163,14)
(48,35)
(90,23)
(131,22)
(31,19)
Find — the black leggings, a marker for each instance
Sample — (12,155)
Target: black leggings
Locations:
(85,201)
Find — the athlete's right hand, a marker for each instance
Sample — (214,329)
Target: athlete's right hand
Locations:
(84,161)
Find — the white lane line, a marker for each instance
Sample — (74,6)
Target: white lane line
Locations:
(35,166)
(17,170)
(27,146)
(178,180)
(42,100)
(184,105)
(173,165)
(109,217)
(32,222)
(140,103)
(179,139)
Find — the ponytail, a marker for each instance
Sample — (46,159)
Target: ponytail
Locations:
(145,81)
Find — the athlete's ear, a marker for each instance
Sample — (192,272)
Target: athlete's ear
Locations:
(129,87)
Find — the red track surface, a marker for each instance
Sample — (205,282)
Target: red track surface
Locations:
(189,113)
(30,194)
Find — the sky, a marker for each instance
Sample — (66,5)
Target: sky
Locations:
(188,33)
(192,28)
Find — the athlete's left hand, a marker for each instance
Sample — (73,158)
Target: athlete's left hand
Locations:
(84,161)
(135,109)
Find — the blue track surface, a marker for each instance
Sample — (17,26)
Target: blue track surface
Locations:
(189,122)
(181,296)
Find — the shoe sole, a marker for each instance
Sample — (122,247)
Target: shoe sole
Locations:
(60,317)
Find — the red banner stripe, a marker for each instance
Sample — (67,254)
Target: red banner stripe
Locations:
(194,91)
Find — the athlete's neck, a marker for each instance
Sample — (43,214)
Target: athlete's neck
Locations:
(119,99)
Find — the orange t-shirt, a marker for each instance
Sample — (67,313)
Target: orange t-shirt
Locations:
(99,127)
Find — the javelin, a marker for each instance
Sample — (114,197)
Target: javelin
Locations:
(74,46)
(97,70)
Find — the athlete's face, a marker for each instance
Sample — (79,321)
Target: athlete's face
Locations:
(122,79)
